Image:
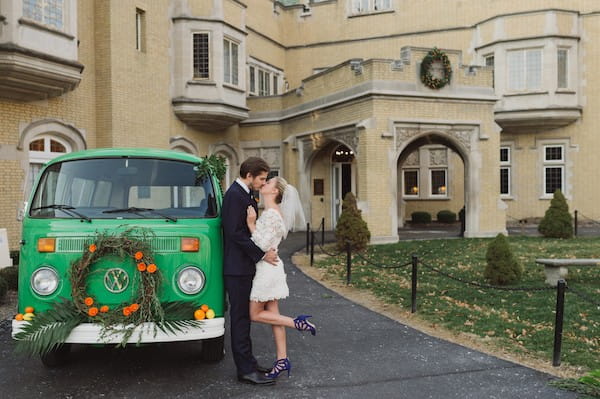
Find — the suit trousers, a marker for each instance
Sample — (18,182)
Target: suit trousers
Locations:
(238,288)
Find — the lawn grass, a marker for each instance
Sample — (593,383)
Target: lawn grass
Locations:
(519,321)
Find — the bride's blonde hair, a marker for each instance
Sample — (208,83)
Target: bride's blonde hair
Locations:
(281,185)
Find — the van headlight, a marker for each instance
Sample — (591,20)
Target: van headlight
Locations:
(191,280)
(44,281)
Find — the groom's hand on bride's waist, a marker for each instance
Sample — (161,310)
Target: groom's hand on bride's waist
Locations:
(271,257)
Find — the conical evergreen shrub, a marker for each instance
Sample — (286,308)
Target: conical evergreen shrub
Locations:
(502,266)
(557,221)
(351,227)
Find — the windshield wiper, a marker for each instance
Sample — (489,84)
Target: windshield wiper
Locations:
(136,210)
(66,208)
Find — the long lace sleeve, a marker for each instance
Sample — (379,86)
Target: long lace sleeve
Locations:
(269,230)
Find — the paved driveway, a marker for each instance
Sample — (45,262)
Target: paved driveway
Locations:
(356,354)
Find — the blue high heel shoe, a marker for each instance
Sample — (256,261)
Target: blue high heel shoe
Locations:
(302,324)
(279,367)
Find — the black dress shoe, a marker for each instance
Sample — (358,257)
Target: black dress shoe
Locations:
(262,369)
(255,378)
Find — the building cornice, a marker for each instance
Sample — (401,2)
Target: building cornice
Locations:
(11,47)
(375,89)
(521,39)
(211,20)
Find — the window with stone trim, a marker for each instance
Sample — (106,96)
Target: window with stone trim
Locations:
(411,182)
(554,168)
(366,6)
(562,68)
(524,69)
(41,150)
(140,29)
(201,53)
(47,12)
(438,182)
(263,80)
(230,62)
(505,171)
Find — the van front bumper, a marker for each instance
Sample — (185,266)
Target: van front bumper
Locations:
(91,333)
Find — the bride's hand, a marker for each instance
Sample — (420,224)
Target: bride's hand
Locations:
(250,216)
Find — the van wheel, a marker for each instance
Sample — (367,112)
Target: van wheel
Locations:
(212,349)
(57,357)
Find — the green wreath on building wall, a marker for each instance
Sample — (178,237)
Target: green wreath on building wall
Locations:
(427,78)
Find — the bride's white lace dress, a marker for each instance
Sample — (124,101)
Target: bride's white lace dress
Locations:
(269,281)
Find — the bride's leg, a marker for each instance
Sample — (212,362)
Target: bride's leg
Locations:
(259,312)
(278,332)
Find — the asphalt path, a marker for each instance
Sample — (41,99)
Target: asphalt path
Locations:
(356,353)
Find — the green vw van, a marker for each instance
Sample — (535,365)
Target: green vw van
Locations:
(106,228)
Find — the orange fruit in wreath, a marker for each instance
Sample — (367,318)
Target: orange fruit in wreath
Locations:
(199,314)
(204,307)
(29,309)
(19,317)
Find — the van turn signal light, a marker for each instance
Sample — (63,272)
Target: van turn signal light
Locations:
(46,245)
(190,244)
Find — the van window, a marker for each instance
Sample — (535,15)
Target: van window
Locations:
(123,188)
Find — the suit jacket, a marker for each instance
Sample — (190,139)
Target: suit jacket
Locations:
(240,253)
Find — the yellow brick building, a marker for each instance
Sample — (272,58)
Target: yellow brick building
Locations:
(330,93)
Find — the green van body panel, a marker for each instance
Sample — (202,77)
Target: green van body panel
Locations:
(73,235)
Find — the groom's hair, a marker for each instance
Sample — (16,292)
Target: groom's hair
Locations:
(255,166)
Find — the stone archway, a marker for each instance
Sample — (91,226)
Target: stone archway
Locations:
(314,168)
(463,139)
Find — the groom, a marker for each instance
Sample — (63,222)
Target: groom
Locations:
(239,265)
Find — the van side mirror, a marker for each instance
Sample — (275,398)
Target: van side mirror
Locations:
(21,211)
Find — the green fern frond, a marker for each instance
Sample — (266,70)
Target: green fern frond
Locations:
(179,310)
(48,330)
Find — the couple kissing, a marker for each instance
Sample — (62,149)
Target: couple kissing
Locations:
(254,275)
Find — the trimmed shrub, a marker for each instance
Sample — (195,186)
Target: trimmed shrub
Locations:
(11,276)
(502,267)
(446,216)
(557,221)
(3,288)
(420,217)
(351,226)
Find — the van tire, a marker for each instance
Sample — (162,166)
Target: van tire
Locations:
(213,349)
(57,357)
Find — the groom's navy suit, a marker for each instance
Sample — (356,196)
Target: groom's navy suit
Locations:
(239,265)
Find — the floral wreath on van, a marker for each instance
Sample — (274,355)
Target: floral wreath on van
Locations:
(52,327)
(435,55)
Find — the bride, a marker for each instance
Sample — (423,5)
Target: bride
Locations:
(282,212)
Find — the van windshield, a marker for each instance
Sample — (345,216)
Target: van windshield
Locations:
(123,188)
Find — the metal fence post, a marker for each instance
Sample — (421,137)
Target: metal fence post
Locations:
(558,324)
(312,247)
(307,238)
(575,223)
(413,296)
(348,263)
(322,231)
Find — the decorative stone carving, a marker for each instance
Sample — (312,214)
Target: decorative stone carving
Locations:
(252,152)
(271,155)
(316,141)
(406,132)
(463,136)
(438,157)
(412,159)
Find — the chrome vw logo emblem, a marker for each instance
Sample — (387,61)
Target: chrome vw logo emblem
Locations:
(116,280)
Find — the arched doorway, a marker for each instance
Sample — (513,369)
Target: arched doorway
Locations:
(431,177)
